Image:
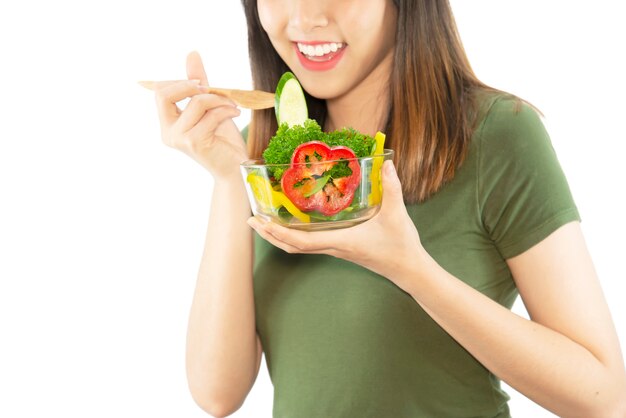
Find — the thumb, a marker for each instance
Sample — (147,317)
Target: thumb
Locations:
(392,189)
(195,69)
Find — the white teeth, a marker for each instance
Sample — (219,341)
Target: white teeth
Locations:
(319,50)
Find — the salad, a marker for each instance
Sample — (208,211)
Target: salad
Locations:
(315,176)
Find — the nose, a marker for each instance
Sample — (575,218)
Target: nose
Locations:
(307,15)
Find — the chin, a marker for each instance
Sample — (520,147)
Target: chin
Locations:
(320,87)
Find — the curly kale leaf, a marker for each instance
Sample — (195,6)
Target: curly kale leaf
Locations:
(360,143)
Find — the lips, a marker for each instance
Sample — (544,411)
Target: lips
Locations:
(321,50)
(319,56)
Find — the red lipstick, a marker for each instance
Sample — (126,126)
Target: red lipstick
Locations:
(315,63)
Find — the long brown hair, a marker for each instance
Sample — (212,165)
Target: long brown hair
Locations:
(433,107)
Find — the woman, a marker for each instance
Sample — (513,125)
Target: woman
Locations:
(408,314)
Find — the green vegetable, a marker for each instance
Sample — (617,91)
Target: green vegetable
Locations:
(360,143)
(282,145)
(340,169)
(290,104)
(319,185)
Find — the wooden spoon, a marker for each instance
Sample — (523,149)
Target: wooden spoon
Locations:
(250,99)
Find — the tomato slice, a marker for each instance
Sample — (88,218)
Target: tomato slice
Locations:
(321,178)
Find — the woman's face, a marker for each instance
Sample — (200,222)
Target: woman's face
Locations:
(333,46)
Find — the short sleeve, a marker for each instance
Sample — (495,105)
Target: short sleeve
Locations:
(523,195)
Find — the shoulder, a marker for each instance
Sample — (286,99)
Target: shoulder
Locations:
(510,123)
(522,192)
(512,136)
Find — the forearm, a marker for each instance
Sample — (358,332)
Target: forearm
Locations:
(221,339)
(546,366)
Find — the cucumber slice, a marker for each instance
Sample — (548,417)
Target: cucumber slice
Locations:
(289,103)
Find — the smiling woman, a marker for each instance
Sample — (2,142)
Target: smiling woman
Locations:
(408,313)
(102,225)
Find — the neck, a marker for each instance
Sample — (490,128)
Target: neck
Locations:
(364,108)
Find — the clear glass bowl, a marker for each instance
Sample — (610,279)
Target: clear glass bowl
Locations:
(314,199)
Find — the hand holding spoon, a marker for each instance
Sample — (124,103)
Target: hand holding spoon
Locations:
(249,99)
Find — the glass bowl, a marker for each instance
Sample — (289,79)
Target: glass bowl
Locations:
(316,195)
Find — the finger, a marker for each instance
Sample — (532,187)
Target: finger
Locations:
(195,68)
(197,108)
(392,188)
(317,242)
(212,120)
(169,94)
(258,227)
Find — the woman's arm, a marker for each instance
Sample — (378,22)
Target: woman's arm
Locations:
(567,357)
(223,350)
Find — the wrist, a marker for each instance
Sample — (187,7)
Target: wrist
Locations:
(230,192)
(228,180)
(415,275)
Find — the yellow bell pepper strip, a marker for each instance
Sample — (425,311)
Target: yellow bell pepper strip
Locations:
(291,208)
(262,190)
(375,195)
(269,198)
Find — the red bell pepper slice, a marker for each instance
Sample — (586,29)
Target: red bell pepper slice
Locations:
(321,178)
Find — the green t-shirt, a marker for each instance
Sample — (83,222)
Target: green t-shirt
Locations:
(341,341)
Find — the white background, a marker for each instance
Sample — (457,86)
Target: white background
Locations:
(101,226)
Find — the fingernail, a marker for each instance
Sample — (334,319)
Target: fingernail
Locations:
(389,167)
(194,81)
